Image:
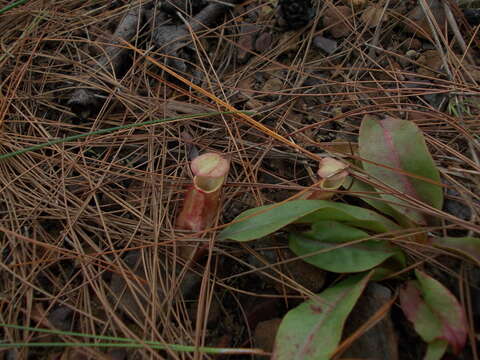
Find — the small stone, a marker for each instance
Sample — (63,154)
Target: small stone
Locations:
(263,42)
(304,274)
(325,44)
(455,205)
(214,312)
(265,334)
(61,317)
(380,342)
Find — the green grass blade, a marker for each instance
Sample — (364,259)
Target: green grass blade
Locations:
(120,342)
(155,346)
(107,131)
(66,333)
(12,6)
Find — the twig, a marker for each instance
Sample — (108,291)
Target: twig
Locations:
(378,30)
(432,22)
(456,31)
(84,101)
(172,38)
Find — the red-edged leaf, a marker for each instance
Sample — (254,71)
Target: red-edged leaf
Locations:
(399,145)
(434,311)
(435,350)
(312,330)
(418,312)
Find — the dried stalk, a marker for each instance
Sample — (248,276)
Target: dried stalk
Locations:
(171,39)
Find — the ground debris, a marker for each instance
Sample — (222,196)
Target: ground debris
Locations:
(336,20)
(325,44)
(183,6)
(174,42)
(133,292)
(265,333)
(294,14)
(71,211)
(85,100)
(417,22)
(380,342)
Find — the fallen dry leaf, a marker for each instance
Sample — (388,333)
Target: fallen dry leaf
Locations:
(247,36)
(336,21)
(432,60)
(272,85)
(374,15)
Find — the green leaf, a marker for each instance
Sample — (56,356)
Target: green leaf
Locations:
(391,266)
(351,215)
(399,144)
(435,350)
(467,246)
(265,220)
(312,330)
(324,240)
(434,311)
(373,198)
